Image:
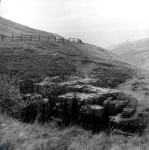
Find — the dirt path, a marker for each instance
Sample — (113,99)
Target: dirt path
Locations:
(138,87)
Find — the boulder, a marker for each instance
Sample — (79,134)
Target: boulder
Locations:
(128,112)
(134,124)
(130,109)
(35,106)
(114,106)
(96,110)
(124,115)
(125,104)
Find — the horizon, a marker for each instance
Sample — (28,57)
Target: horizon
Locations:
(98,22)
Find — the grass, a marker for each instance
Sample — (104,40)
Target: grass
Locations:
(49,137)
(36,59)
(9,94)
(111,76)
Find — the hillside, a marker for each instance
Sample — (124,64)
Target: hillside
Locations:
(43,58)
(46,58)
(8,27)
(60,95)
(137,53)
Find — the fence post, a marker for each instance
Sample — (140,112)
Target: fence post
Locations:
(31,37)
(12,37)
(21,37)
(63,40)
(39,37)
(55,38)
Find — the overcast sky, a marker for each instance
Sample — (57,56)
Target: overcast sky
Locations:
(78,15)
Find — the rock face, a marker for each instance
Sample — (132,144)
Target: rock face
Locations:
(130,109)
(96,110)
(90,106)
(34,106)
(122,103)
(91,116)
(27,86)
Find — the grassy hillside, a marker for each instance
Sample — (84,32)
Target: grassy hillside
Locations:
(136,54)
(8,27)
(36,59)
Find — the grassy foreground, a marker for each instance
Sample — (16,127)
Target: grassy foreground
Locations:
(18,136)
(15,135)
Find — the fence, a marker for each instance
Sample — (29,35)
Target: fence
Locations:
(4,38)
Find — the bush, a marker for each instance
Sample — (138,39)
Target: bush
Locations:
(9,94)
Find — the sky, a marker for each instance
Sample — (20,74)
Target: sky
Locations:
(69,17)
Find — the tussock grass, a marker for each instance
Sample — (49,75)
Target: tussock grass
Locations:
(9,93)
(49,137)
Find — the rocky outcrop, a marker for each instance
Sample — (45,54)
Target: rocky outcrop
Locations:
(81,101)
(33,107)
(91,117)
(130,109)
(115,105)
(134,122)
(27,85)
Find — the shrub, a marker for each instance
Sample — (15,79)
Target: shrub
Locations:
(9,94)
